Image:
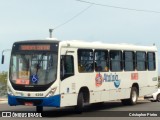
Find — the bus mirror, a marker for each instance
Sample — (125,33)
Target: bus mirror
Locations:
(2,61)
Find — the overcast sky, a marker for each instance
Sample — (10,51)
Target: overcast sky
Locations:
(31,19)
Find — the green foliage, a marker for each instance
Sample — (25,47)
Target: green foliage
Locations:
(3,83)
(159,81)
(3,77)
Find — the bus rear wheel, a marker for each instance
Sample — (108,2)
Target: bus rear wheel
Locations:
(133,97)
(39,109)
(158,98)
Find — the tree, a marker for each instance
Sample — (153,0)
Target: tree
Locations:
(3,83)
(158,81)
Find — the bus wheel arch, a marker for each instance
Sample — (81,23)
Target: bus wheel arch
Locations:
(86,94)
(136,86)
(158,98)
(133,95)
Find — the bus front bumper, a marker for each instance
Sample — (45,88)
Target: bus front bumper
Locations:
(53,101)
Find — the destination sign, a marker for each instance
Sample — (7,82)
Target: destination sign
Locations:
(35,47)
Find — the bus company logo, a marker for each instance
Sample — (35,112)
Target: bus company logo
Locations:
(112,78)
(107,78)
(98,79)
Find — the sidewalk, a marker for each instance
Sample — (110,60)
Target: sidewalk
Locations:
(141,98)
(3,100)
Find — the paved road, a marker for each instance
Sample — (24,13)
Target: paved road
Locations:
(110,109)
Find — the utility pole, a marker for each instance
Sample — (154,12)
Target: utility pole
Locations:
(50,33)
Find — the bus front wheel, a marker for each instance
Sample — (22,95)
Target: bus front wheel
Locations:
(80,103)
(39,109)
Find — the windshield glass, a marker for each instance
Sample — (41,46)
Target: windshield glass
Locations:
(33,68)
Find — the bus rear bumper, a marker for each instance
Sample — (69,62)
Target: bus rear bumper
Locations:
(53,101)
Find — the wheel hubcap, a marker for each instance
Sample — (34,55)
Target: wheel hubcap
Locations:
(134,96)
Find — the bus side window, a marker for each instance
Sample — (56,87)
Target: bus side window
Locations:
(141,60)
(67,66)
(101,61)
(85,60)
(116,60)
(151,61)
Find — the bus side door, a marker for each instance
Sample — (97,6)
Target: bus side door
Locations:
(67,71)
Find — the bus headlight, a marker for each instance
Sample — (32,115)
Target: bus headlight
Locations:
(51,92)
(9,91)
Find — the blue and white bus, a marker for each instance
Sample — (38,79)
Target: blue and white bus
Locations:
(72,73)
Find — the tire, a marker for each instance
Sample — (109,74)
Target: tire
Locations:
(133,97)
(80,103)
(158,98)
(39,109)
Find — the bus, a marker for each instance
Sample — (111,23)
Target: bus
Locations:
(53,73)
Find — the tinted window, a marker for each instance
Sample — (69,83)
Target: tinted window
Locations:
(129,61)
(85,60)
(141,61)
(115,60)
(67,66)
(151,61)
(101,60)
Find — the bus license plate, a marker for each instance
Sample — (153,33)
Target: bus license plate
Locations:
(28,103)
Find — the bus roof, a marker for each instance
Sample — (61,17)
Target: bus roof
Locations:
(38,41)
(100,45)
(93,45)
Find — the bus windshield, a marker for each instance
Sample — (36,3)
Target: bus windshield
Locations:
(33,68)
